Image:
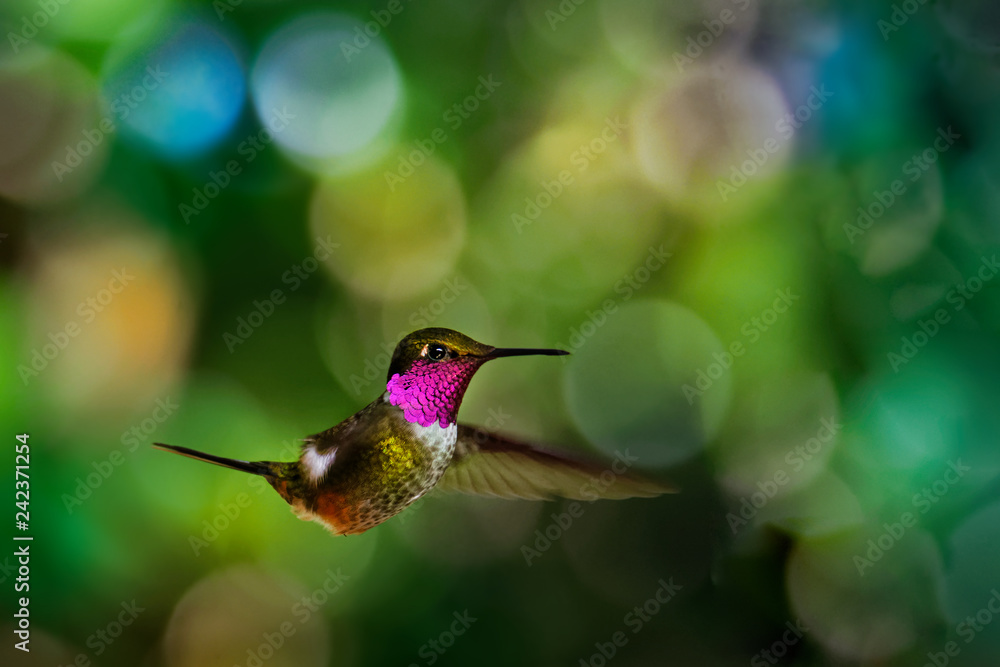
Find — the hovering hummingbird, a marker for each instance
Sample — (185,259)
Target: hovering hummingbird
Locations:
(371,466)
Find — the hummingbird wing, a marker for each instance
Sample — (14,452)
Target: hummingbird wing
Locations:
(490,465)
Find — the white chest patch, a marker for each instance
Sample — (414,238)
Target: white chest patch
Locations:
(440,444)
(439,441)
(317,464)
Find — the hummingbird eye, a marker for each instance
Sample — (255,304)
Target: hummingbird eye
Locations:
(436,352)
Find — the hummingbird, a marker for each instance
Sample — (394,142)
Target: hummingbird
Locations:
(371,466)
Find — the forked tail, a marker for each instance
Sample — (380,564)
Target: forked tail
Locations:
(253,467)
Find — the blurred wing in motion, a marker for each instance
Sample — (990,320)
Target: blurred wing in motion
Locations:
(489,465)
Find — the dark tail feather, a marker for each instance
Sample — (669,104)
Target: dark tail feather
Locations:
(252,467)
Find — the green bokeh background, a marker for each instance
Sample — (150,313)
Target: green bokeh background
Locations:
(766,230)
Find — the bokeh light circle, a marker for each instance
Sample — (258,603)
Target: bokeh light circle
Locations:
(227,618)
(547,210)
(112,296)
(713,128)
(53,147)
(340,86)
(861,600)
(397,241)
(625,385)
(180,91)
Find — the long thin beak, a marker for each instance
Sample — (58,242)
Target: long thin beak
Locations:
(522,351)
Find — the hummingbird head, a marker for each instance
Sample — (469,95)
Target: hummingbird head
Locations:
(430,371)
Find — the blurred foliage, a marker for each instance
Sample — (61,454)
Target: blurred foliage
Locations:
(766,230)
